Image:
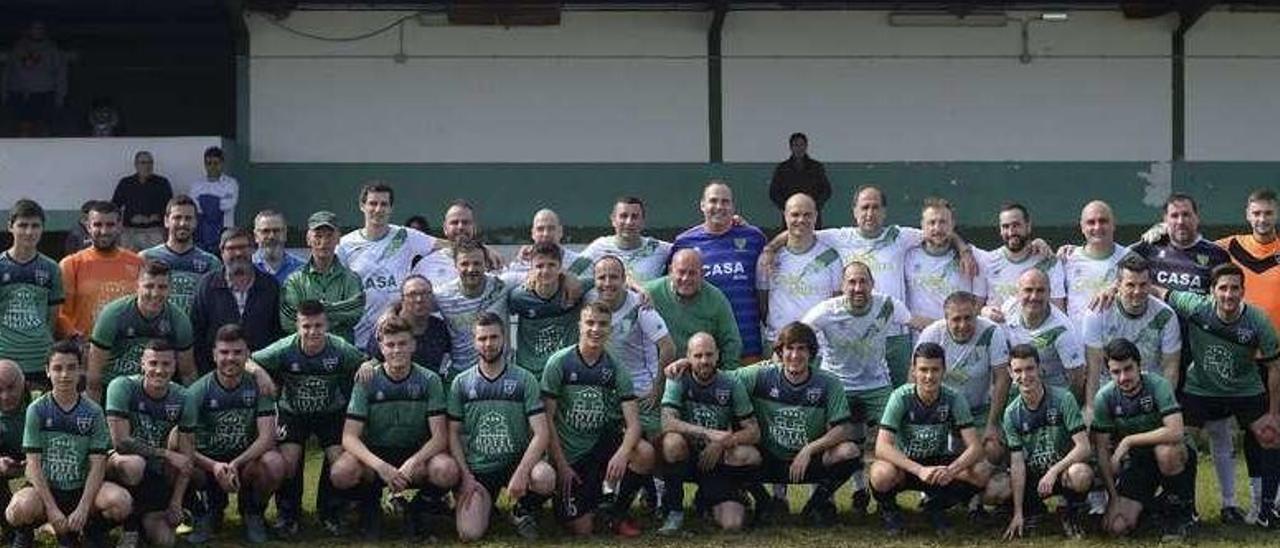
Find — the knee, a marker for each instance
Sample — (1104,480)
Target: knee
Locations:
(443,471)
(116,504)
(345,472)
(1118,525)
(19,511)
(1170,458)
(128,469)
(542,479)
(883,476)
(674,448)
(1079,477)
(272,466)
(469,532)
(998,489)
(731,521)
(742,455)
(642,458)
(846,451)
(581,527)
(979,474)
(994,451)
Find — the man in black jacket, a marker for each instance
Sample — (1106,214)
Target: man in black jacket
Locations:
(238,294)
(800,174)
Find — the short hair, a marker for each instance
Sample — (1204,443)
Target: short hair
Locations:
(1121,349)
(630,200)
(1180,197)
(230,333)
(1262,195)
(213,152)
(1225,269)
(796,332)
(103,207)
(459,202)
(406,280)
(26,209)
(267,213)
(1024,351)
(465,246)
(610,257)
(157,345)
(68,346)
(1135,263)
(798,135)
(310,307)
(418,219)
(233,232)
(377,186)
(959,297)
(486,319)
(84,208)
(929,351)
(138,155)
(879,193)
(154,268)
(179,200)
(393,325)
(864,266)
(1015,206)
(597,307)
(547,249)
(934,202)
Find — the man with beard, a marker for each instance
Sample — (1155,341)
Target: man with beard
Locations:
(709,433)
(187,263)
(142,413)
(933,270)
(271,234)
(1256,253)
(324,279)
(730,252)
(498,435)
(239,294)
(30,292)
(1003,266)
(473,292)
(805,272)
(546,229)
(645,257)
(689,304)
(1029,318)
(430,332)
(97,275)
(129,323)
(459,224)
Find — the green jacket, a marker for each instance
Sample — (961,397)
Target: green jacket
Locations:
(338,289)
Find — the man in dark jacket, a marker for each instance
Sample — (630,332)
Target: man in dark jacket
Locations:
(800,174)
(238,294)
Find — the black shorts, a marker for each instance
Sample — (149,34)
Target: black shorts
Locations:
(911,482)
(1139,475)
(296,429)
(67,500)
(776,470)
(395,456)
(495,481)
(1197,410)
(716,487)
(585,497)
(153,494)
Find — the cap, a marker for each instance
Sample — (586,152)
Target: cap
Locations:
(322,218)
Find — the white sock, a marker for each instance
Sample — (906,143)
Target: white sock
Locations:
(1224,463)
(858,480)
(1255,493)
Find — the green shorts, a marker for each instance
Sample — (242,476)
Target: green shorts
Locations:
(650,419)
(866,407)
(897,351)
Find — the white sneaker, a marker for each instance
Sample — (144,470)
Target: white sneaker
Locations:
(1252,517)
(1097,503)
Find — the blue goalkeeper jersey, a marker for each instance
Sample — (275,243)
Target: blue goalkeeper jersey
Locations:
(729,263)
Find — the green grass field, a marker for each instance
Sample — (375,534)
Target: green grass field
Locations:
(853,531)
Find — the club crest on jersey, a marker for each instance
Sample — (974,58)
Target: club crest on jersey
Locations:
(330,363)
(171,412)
(213,403)
(5,278)
(380,396)
(606,374)
(508,387)
(944,412)
(1244,335)
(740,243)
(415,391)
(164,326)
(42,277)
(1202,260)
(1147,403)
(722,396)
(199,265)
(1052,415)
(295,367)
(247,398)
(83,424)
(129,332)
(573,376)
(812,395)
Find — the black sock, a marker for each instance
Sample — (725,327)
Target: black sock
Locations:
(837,474)
(627,489)
(673,487)
(886,500)
(529,503)
(1180,490)
(759,494)
(289,497)
(133,523)
(326,495)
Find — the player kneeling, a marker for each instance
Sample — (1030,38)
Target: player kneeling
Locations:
(66,441)
(912,446)
(395,434)
(1048,448)
(709,434)
(498,433)
(1137,428)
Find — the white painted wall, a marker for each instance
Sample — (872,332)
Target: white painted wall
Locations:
(315,101)
(1233,87)
(62,173)
(865,91)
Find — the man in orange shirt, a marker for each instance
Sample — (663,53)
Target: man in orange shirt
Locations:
(97,275)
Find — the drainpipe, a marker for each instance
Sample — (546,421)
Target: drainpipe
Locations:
(715,98)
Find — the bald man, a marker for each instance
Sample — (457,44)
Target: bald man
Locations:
(1029,318)
(13,407)
(459,224)
(1092,268)
(689,304)
(804,272)
(729,255)
(546,229)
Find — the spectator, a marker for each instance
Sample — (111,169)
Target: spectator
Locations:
(98,275)
(78,236)
(800,174)
(237,294)
(419,223)
(35,81)
(142,198)
(104,118)
(216,196)
(270,232)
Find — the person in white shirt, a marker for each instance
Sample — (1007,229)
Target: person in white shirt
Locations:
(933,269)
(546,228)
(215,193)
(1091,268)
(645,258)
(804,273)
(1004,265)
(1029,318)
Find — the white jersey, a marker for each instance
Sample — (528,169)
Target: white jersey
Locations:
(932,278)
(1155,332)
(633,338)
(853,346)
(437,267)
(885,254)
(971,364)
(648,261)
(1086,276)
(382,266)
(460,313)
(800,281)
(521,266)
(1055,339)
(1002,274)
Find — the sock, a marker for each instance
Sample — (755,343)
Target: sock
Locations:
(289,497)
(627,489)
(325,492)
(1255,493)
(858,480)
(673,491)
(838,473)
(1180,491)
(759,494)
(1224,463)
(886,500)
(529,503)
(1269,484)
(133,523)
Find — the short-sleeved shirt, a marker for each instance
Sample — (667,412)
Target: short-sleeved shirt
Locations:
(27,291)
(853,345)
(1155,332)
(543,326)
(588,398)
(1002,274)
(924,431)
(150,419)
(647,261)
(12,424)
(123,331)
(570,262)
(430,350)
(1182,269)
(729,263)
(312,384)
(885,253)
(65,438)
(185,271)
(1042,435)
(1121,415)
(226,418)
(1261,270)
(792,415)
(719,404)
(461,311)
(382,266)
(397,413)
(495,415)
(800,281)
(1055,339)
(634,333)
(91,279)
(1086,276)
(932,277)
(1224,356)
(971,364)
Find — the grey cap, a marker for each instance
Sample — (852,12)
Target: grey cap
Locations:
(322,218)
